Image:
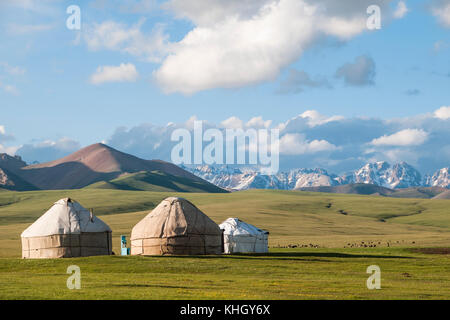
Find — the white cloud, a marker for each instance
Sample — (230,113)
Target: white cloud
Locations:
(236,44)
(401,10)
(254,123)
(115,36)
(296,144)
(209,12)
(125,72)
(47,150)
(258,123)
(442,113)
(339,145)
(9,150)
(407,137)
(442,11)
(232,123)
(4,137)
(315,118)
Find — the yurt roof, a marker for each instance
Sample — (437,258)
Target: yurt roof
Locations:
(234,226)
(174,217)
(66,216)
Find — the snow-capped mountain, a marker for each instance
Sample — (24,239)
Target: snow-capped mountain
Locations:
(400,175)
(440,178)
(251,178)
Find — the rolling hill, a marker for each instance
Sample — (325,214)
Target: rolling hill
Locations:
(357,188)
(443,195)
(153,181)
(99,163)
(11,181)
(371,189)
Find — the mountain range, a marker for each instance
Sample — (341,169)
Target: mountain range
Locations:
(102,167)
(99,166)
(381,174)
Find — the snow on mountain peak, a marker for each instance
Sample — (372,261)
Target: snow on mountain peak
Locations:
(381,173)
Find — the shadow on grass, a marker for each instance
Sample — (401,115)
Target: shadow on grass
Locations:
(298,256)
(138,285)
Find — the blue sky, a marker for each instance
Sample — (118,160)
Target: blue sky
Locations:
(171,60)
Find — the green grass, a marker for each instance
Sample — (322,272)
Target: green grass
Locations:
(330,221)
(282,274)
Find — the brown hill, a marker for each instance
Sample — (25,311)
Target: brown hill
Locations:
(443,195)
(98,162)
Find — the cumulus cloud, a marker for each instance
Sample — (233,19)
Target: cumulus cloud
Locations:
(125,72)
(441,10)
(233,43)
(232,123)
(239,43)
(120,37)
(442,113)
(258,123)
(312,139)
(401,10)
(296,144)
(315,118)
(4,138)
(297,81)
(47,150)
(407,137)
(308,119)
(361,72)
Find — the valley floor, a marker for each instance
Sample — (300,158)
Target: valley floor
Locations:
(344,234)
(281,274)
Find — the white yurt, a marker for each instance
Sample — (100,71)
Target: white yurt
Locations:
(66,230)
(239,236)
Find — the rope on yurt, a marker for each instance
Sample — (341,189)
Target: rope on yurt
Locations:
(70,228)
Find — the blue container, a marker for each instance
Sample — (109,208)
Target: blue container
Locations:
(124,251)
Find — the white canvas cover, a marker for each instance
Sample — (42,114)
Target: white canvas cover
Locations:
(243,237)
(66,216)
(176,227)
(67,229)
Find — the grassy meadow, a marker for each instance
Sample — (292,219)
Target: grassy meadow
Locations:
(319,248)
